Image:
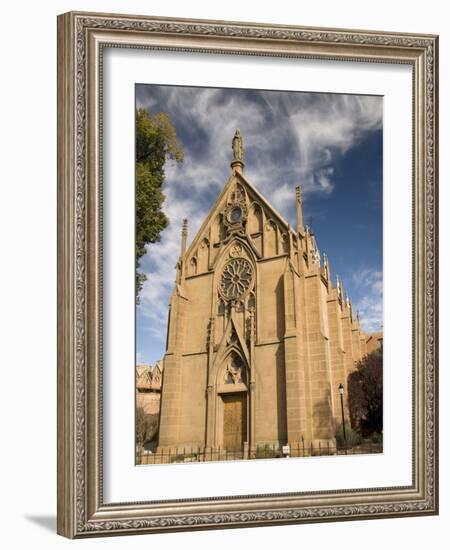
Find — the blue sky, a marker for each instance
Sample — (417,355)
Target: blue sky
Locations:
(330,144)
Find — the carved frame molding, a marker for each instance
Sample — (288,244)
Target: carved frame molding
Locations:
(81,38)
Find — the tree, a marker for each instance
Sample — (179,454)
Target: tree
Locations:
(156,142)
(365,394)
(146,426)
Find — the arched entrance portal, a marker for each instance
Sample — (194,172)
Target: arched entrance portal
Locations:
(232,404)
(234,421)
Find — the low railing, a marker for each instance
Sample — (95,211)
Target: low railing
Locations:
(172,456)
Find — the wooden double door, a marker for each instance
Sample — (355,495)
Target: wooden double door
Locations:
(234,420)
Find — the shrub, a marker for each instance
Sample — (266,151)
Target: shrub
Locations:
(365,394)
(146,426)
(190,457)
(266,451)
(376,437)
(352,438)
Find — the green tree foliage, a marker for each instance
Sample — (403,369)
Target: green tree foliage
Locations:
(156,142)
(365,394)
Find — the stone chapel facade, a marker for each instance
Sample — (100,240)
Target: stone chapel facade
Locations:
(259,339)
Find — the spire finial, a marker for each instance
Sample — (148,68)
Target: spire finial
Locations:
(184,233)
(238,152)
(326,267)
(299,203)
(343,293)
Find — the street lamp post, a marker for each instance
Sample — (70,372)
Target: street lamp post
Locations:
(341,393)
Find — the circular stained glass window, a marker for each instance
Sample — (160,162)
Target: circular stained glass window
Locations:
(236,278)
(235,214)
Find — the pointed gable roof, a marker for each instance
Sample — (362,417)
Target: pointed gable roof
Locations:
(143,376)
(274,212)
(217,207)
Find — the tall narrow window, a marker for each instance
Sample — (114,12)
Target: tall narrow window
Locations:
(193,266)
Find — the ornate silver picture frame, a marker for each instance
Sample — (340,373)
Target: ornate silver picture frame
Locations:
(82,508)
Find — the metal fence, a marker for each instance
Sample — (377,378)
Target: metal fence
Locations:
(172,456)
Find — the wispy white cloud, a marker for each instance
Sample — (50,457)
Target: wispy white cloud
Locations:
(325,126)
(285,133)
(323,177)
(139,358)
(369,285)
(289,138)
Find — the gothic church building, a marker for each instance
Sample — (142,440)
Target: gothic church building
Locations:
(259,339)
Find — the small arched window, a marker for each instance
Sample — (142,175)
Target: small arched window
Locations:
(193,266)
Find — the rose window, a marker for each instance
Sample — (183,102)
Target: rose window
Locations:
(236,278)
(235,214)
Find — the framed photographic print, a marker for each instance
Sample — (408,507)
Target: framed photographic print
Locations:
(247,284)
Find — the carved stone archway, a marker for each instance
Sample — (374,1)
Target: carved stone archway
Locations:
(230,378)
(232,411)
